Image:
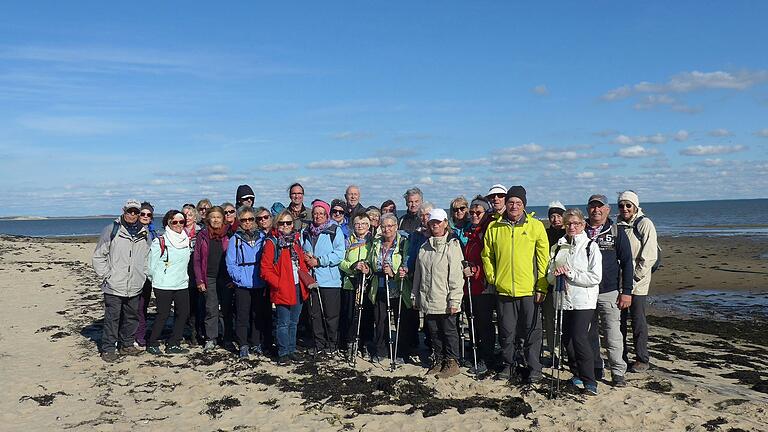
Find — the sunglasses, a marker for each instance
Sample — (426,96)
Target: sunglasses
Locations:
(145,214)
(244,220)
(132,211)
(176,222)
(203,209)
(497,196)
(263,218)
(462,208)
(627,205)
(336,211)
(285,223)
(477,213)
(230,211)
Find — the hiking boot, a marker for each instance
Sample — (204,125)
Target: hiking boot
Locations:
(294,357)
(577,382)
(131,351)
(176,349)
(209,346)
(618,381)
(639,367)
(480,369)
(154,350)
(283,361)
(437,366)
(506,373)
(450,369)
(534,379)
(590,389)
(255,350)
(110,357)
(244,351)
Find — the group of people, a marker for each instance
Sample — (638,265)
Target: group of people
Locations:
(239,276)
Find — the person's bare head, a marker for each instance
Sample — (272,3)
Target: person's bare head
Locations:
(352,195)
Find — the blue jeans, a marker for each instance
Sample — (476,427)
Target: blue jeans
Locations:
(287,320)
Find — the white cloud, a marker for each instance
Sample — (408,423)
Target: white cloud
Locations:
(685,82)
(509,159)
(585,175)
(640,139)
(353,163)
(444,170)
(708,150)
(720,133)
(623,140)
(352,136)
(636,151)
(762,133)
(541,90)
(681,135)
(525,148)
(280,167)
(652,101)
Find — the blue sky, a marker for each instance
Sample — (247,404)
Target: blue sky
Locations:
(173,102)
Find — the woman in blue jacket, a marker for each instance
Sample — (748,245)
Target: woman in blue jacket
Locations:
(168,260)
(324,248)
(253,323)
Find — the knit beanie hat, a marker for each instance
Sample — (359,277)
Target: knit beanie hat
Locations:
(479,201)
(630,196)
(517,192)
(556,207)
(243,191)
(323,204)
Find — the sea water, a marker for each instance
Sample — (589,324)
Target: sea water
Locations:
(685,218)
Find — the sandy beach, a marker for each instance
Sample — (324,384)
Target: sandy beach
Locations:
(705,376)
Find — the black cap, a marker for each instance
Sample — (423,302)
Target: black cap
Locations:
(517,192)
(244,191)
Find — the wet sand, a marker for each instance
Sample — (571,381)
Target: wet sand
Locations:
(702,379)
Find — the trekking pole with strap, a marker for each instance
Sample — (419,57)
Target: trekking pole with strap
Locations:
(389,323)
(471,318)
(359,309)
(554,384)
(397,325)
(322,310)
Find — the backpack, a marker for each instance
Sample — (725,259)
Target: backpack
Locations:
(116,229)
(240,260)
(635,230)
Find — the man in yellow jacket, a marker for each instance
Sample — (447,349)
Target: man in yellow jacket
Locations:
(515,256)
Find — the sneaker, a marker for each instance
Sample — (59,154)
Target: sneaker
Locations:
(450,369)
(437,366)
(618,381)
(294,357)
(176,349)
(110,357)
(209,346)
(590,389)
(131,351)
(244,351)
(283,361)
(481,368)
(506,373)
(375,359)
(639,366)
(154,350)
(577,382)
(255,350)
(534,379)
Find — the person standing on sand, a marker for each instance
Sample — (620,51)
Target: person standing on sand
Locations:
(297,208)
(410,221)
(615,288)
(120,262)
(554,232)
(196,307)
(515,256)
(577,259)
(352,206)
(357,251)
(169,258)
(641,233)
(146,217)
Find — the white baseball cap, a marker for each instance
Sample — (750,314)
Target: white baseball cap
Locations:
(438,214)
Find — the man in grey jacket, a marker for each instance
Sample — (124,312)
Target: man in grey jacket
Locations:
(120,262)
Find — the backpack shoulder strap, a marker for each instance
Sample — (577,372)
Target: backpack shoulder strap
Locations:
(115,230)
(273,240)
(163,249)
(635,229)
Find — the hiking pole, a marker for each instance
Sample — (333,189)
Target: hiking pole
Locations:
(389,323)
(397,325)
(471,318)
(359,309)
(554,385)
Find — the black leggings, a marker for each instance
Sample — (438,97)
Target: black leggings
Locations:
(164,298)
(576,340)
(253,324)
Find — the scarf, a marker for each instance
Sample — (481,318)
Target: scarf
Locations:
(355,242)
(248,236)
(287,241)
(177,240)
(217,233)
(314,231)
(191,231)
(133,228)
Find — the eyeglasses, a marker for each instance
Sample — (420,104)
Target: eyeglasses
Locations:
(176,222)
(230,211)
(389,226)
(337,211)
(497,195)
(594,204)
(244,220)
(626,205)
(462,208)
(477,212)
(285,223)
(132,211)
(262,218)
(144,214)
(297,193)
(574,223)
(362,224)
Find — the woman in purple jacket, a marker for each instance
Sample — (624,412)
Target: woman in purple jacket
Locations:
(211,270)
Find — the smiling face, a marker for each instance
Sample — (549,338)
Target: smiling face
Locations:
(296,194)
(215,219)
(459,211)
(190,217)
(476,214)
(424,215)
(556,220)
(627,210)
(573,226)
(598,213)
(352,196)
(361,225)
(413,202)
(285,224)
(388,230)
(497,202)
(319,216)
(337,214)
(264,220)
(177,223)
(230,214)
(438,228)
(145,216)
(247,221)
(515,208)
(131,215)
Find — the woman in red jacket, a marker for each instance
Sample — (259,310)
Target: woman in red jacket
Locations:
(281,262)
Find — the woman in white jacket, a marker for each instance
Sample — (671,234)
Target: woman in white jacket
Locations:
(577,260)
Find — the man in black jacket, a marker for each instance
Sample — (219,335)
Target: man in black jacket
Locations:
(410,221)
(615,288)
